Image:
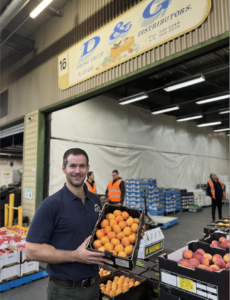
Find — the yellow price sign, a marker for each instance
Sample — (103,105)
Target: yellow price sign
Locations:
(187,206)
(186,284)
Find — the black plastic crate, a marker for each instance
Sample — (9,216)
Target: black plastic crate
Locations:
(142,291)
(114,260)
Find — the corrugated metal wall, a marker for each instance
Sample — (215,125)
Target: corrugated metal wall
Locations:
(29,163)
(33,81)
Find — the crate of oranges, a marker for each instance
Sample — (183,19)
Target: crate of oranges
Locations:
(117,235)
(124,285)
(106,270)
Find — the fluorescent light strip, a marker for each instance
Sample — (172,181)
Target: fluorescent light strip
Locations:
(219,130)
(184,84)
(209,124)
(190,118)
(224,112)
(165,110)
(228,134)
(213,99)
(40,8)
(133,100)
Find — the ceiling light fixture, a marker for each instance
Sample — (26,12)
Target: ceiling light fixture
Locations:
(213,98)
(134,98)
(209,124)
(224,111)
(165,109)
(182,119)
(219,130)
(40,8)
(183,83)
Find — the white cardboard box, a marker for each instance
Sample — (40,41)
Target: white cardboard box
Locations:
(152,242)
(9,259)
(10,273)
(29,267)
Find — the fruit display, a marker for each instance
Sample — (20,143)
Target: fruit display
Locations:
(117,233)
(119,285)
(17,230)
(103,272)
(223,243)
(202,260)
(5,251)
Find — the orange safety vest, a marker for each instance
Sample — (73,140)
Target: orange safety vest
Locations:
(210,182)
(114,191)
(90,188)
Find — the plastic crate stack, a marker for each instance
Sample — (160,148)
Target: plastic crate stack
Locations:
(184,199)
(178,200)
(203,187)
(135,191)
(170,199)
(158,207)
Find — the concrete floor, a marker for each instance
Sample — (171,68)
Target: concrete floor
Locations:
(190,226)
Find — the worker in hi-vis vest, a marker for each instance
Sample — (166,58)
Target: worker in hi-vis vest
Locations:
(115,192)
(215,190)
(90,183)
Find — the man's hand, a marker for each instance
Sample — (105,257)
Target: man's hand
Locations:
(142,232)
(84,256)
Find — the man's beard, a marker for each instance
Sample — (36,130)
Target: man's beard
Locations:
(75,184)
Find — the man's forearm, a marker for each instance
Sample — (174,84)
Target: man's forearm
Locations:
(47,254)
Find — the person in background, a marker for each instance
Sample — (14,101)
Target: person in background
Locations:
(90,183)
(215,190)
(115,192)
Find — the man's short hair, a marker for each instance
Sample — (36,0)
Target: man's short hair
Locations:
(89,174)
(115,171)
(211,176)
(74,151)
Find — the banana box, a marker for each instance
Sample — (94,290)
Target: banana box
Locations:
(152,243)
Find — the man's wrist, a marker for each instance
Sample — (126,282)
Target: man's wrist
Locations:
(73,256)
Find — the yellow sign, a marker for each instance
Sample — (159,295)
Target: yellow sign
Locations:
(186,284)
(147,25)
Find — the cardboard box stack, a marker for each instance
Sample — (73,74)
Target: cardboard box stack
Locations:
(199,197)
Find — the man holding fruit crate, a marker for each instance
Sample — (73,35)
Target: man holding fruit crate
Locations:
(60,231)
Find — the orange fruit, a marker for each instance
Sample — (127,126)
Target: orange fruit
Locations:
(134,233)
(116,228)
(131,279)
(97,244)
(136,220)
(111,235)
(104,223)
(125,215)
(114,252)
(136,283)
(115,242)
(112,293)
(102,249)
(134,227)
(117,213)
(128,250)
(109,246)
(127,231)
(119,291)
(132,238)
(130,221)
(112,223)
(107,229)
(120,236)
(100,234)
(122,224)
(118,248)
(104,240)
(122,254)
(119,219)
(125,241)
(111,217)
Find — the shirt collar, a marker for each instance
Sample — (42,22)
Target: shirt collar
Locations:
(71,196)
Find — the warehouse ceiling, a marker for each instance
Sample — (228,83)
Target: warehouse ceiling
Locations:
(21,41)
(214,66)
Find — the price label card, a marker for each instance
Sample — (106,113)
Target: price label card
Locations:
(186,284)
